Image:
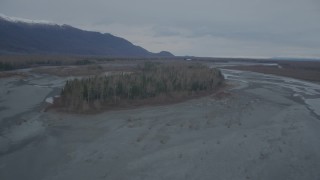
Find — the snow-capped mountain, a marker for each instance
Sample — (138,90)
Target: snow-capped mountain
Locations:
(22,20)
(23,36)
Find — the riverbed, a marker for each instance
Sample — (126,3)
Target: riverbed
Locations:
(267,127)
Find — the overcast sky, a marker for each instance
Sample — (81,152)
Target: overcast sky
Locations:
(216,28)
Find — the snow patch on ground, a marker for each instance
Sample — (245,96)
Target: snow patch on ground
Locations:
(49,100)
(314,104)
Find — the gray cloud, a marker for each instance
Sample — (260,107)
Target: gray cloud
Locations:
(204,28)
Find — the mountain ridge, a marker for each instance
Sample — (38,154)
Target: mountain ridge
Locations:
(39,37)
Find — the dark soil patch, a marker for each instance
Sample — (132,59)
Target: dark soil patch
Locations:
(308,72)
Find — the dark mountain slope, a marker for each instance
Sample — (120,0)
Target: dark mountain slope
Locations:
(23,37)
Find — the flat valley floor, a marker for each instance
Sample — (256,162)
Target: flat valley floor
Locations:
(264,127)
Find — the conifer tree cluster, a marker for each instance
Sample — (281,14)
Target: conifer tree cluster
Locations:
(152,80)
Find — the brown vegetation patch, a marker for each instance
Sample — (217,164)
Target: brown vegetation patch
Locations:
(221,95)
(309,71)
(13,74)
(87,70)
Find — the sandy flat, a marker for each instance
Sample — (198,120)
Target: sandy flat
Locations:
(268,128)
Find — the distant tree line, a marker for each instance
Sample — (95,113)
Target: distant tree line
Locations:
(11,62)
(153,79)
(5,66)
(18,62)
